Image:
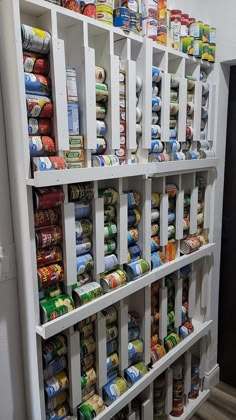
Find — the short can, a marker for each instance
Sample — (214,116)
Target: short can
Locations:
(173,146)
(39,126)
(101,92)
(134,199)
(110,314)
(82,210)
(41,146)
(71,5)
(135,350)
(71,85)
(49,255)
(87,346)
(73,118)
(83,228)
(111,262)
(84,263)
(54,367)
(121,18)
(171,341)
(189,245)
(50,275)
(56,307)
(100,111)
(56,384)
(110,230)
(137,269)
(109,213)
(206,154)
(133,235)
(34,39)
(43,218)
(113,280)
(101,128)
(155,131)
(91,407)
(112,361)
(87,361)
(53,348)
(100,146)
(134,373)
(48,236)
(104,13)
(113,390)
(134,253)
(86,293)
(36,84)
(81,192)
(35,63)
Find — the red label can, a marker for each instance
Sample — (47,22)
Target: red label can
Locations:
(39,126)
(49,275)
(39,106)
(34,63)
(48,236)
(48,256)
(72,5)
(48,197)
(47,217)
(88,8)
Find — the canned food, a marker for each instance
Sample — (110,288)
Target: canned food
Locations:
(100,74)
(104,13)
(110,262)
(157,259)
(34,39)
(86,331)
(112,361)
(171,341)
(101,128)
(71,5)
(59,399)
(91,408)
(155,90)
(192,154)
(121,152)
(100,111)
(109,246)
(50,274)
(155,243)
(134,217)
(110,230)
(112,346)
(83,246)
(43,218)
(87,393)
(56,384)
(206,154)
(110,196)
(154,229)
(133,333)
(39,106)
(101,92)
(156,103)
(84,263)
(48,236)
(39,126)
(211,53)
(48,256)
(54,367)
(36,84)
(157,352)
(110,314)
(34,63)
(74,157)
(134,199)
(53,348)
(100,146)
(177,407)
(121,18)
(88,8)
(190,245)
(196,29)
(87,361)
(41,146)
(186,44)
(155,118)
(71,85)
(135,372)
(73,118)
(56,307)
(173,146)
(87,293)
(155,131)
(189,132)
(212,36)
(197,48)
(155,214)
(137,269)
(132,236)
(105,160)
(114,389)
(82,210)
(88,378)
(113,280)
(83,228)
(174,108)
(134,253)
(205,51)
(156,74)
(135,350)
(156,146)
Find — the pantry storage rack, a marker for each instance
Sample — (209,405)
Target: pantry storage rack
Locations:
(81,42)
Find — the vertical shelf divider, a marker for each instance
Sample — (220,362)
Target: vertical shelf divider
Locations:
(74,369)
(122,218)
(169,391)
(187,374)
(122,308)
(178,302)
(101,352)
(163,312)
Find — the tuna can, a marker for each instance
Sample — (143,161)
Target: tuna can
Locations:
(56,307)
(36,84)
(156,103)
(100,111)
(100,74)
(121,18)
(101,128)
(155,118)
(110,230)
(156,74)
(156,146)
(83,246)
(113,280)
(53,348)
(114,389)
(88,8)
(155,131)
(100,146)
(134,373)
(56,384)
(84,263)
(112,346)
(196,29)
(82,210)
(109,246)
(186,45)
(39,106)
(155,243)
(105,160)
(86,293)
(134,252)
(134,217)
(81,192)
(34,39)
(34,63)
(90,408)
(49,275)
(211,53)
(110,262)
(137,269)
(190,245)
(41,146)
(112,361)
(39,126)
(173,146)
(104,13)
(48,256)
(134,199)
(101,92)
(132,236)
(73,118)
(110,196)
(48,236)
(71,5)
(205,51)
(43,218)
(206,154)
(83,228)
(71,85)
(212,36)
(109,213)
(87,346)
(56,366)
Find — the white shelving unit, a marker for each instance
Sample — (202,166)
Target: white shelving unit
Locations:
(81,42)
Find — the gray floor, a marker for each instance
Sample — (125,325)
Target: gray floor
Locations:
(221,405)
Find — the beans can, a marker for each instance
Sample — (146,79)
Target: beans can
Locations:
(73,118)
(91,408)
(53,348)
(135,350)
(39,126)
(109,246)
(110,195)
(83,228)
(34,39)
(50,274)
(35,63)
(137,269)
(113,280)
(41,146)
(71,5)
(56,307)
(48,236)
(84,263)
(113,390)
(39,106)
(86,293)
(71,85)
(121,18)
(110,230)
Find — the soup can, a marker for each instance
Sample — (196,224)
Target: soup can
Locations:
(100,111)
(50,275)
(48,236)
(104,13)
(137,269)
(34,39)
(39,106)
(133,333)
(134,373)
(43,218)
(53,348)
(35,63)
(100,146)
(212,36)
(81,192)
(87,361)
(83,246)
(113,280)
(39,126)
(82,210)
(155,118)
(73,5)
(155,243)
(109,246)
(155,131)
(109,213)
(156,146)
(41,146)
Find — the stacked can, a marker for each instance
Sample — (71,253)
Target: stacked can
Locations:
(149,19)
(128,15)
(75,156)
(134,156)
(204,146)
(172,339)
(73,5)
(186,219)
(195,379)
(178,388)
(157,257)
(121,152)
(55,373)
(159,394)
(157,147)
(112,337)
(135,344)
(136,266)
(186,327)
(157,351)
(187,146)
(170,248)
(48,236)
(162,22)
(36,48)
(104,11)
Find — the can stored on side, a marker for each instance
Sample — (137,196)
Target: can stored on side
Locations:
(73,118)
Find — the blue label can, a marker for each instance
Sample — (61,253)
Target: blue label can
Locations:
(135,253)
(36,84)
(121,18)
(84,263)
(112,346)
(83,246)
(156,74)
(54,367)
(110,262)
(73,118)
(155,260)
(156,146)
(156,103)
(171,217)
(133,333)
(82,210)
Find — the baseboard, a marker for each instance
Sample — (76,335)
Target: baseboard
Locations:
(212,378)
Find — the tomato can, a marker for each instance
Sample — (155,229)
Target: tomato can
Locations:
(136,269)
(48,236)
(71,4)
(83,228)
(39,126)
(86,293)
(50,275)
(71,85)
(35,63)
(34,39)
(41,146)
(39,106)
(84,263)
(48,197)
(113,280)
(91,408)
(56,307)
(81,192)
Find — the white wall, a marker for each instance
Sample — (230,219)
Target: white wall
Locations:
(12,403)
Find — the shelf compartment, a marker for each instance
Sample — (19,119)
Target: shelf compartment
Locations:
(58,325)
(193,406)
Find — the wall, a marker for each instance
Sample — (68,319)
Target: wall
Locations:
(12,401)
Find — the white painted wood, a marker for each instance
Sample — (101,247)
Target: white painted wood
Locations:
(130,67)
(203,357)
(132,416)
(182,110)
(69,244)
(193,406)
(122,218)
(165,109)
(123,334)
(179,214)
(147,324)
(211,113)
(114,102)
(164,220)
(193,210)
(208,204)
(178,302)
(169,391)
(187,373)
(197,111)
(205,283)
(74,369)
(146,58)
(192,293)
(101,352)
(98,235)
(163,313)
(147,410)
(145,228)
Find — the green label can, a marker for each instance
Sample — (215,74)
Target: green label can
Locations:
(137,269)
(186,44)
(87,293)
(110,230)
(195,29)
(56,307)
(211,53)
(205,33)
(205,51)
(197,48)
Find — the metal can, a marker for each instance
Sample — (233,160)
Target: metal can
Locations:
(100,74)
(86,293)
(149,28)
(112,361)
(110,230)
(121,18)
(39,126)
(84,263)
(134,217)
(48,256)
(134,199)
(121,152)
(134,253)
(189,132)
(211,53)
(113,280)
(34,39)
(135,20)
(205,51)
(53,348)
(189,245)
(73,118)
(155,131)
(114,389)
(195,29)
(186,44)
(74,156)
(157,259)
(101,128)
(36,84)
(41,146)
(56,307)
(133,333)
(155,214)
(206,154)
(87,346)
(71,5)
(137,269)
(212,36)
(174,81)
(82,210)
(173,146)
(155,118)
(100,111)
(83,228)
(192,154)
(109,213)
(205,32)
(50,275)
(91,407)
(105,160)
(110,195)
(54,367)
(155,200)
(104,13)
(155,91)
(135,350)
(34,63)
(39,106)
(156,74)
(87,361)
(71,85)
(171,341)
(112,346)
(135,372)
(48,236)
(174,108)
(83,246)
(88,8)
(110,262)
(86,331)
(173,95)
(156,103)
(156,146)
(197,48)
(155,243)
(110,314)
(132,235)
(88,378)
(43,218)
(109,246)
(101,92)
(56,384)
